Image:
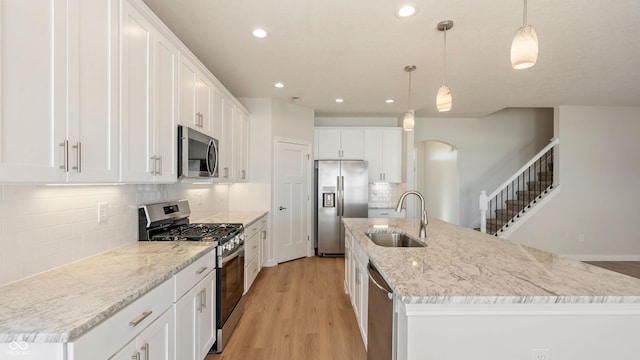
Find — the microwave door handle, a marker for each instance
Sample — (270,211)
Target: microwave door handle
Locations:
(209,167)
(215,158)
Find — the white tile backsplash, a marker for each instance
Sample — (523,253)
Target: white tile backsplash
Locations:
(42,227)
(383,195)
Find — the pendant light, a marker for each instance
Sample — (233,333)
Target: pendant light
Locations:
(408,122)
(524,48)
(444,99)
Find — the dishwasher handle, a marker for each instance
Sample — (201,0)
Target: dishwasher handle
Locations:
(384,289)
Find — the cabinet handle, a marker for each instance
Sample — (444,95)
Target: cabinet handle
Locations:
(136,356)
(78,148)
(204,299)
(199,301)
(153,166)
(65,146)
(201,270)
(243,174)
(159,159)
(139,319)
(226,172)
(145,348)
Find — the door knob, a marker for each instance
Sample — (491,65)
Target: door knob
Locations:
(282,208)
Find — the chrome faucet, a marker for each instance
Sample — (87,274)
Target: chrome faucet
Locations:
(423,218)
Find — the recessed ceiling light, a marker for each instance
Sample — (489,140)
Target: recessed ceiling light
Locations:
(260,33)
(279,85)
(406,11)
(389,101)
(338,100)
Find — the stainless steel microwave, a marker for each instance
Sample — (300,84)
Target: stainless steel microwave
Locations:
(197,154)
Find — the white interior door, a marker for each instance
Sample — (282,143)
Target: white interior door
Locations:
(292,200)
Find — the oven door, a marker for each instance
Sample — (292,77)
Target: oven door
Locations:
(230,284)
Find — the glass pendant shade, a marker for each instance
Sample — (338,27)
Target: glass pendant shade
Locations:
(444,99)
(524,49)
(408,122)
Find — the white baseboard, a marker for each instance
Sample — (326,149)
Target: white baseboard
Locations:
(270,263)
(603,257)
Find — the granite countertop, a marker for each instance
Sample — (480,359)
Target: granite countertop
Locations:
(245,217)
(464,266)
(62,304)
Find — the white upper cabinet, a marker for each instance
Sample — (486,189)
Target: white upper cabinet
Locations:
(148,122)
(383,152)
(339,144)
(58,102)
(195,97)
(240,145)
(223,131)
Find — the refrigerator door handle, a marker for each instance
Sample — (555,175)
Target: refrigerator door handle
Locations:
(341,195)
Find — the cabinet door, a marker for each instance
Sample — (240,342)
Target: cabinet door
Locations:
(157,342)
(187,90)
(352,143)
(206,318)
(392,154)
(165,114)
(129,352)
(186,335)
(32,97)
(328,144)
(93,91)
(240,145)
(137,159)
(225,143)
(204,91)
(373,149)
(217,104)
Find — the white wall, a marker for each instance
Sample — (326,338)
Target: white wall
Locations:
(47,226)
(490,149)
(596,213)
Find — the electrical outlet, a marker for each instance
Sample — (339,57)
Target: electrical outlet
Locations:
(580,237)
(102,212)
(540,354)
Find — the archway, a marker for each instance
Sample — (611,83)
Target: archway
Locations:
(437,179)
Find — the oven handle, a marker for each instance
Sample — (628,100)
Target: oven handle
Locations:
(231,256)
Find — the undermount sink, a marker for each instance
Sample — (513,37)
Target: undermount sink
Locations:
(393,239)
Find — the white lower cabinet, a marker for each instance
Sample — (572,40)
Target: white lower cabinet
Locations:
(154,343)
(256,239)
(145,323)
(195,309)
(357,282)
(195,320)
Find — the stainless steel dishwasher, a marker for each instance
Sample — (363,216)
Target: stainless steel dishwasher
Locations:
(380,327)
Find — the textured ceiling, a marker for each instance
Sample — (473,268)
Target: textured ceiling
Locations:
(357,50)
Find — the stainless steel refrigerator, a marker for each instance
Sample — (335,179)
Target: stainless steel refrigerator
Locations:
(342,190)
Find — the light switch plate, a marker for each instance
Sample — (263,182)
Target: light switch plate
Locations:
(102,212)
(540,354)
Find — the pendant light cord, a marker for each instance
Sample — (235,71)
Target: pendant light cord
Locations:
(444,67)
(524,17)
(410,90)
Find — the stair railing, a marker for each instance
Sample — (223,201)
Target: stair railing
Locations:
(508,191)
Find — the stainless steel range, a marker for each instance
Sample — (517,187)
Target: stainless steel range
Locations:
(169,221)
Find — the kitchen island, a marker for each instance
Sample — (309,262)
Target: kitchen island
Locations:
(470,295)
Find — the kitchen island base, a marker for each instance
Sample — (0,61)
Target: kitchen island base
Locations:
(514,331)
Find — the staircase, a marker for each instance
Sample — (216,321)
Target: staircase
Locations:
(511,201)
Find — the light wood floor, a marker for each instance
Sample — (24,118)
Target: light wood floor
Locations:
(297,310)
(631,268)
